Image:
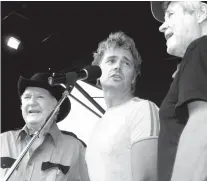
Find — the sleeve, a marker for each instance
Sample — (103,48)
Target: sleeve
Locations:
(144,122)
(83,165)
(193,79)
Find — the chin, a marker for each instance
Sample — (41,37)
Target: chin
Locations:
(172,50)
(33,122)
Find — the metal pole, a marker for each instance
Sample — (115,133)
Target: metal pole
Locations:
(77,86)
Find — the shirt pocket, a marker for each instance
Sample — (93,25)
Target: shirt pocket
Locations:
(6,164)
(55,171)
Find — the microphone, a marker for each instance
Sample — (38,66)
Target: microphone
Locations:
(87,73)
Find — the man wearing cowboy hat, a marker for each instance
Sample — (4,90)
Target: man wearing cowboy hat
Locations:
(183,114)
(53,156)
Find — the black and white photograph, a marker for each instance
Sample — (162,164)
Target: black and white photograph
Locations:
(103,91)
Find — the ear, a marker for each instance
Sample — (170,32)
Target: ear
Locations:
(202,15)
(98,83)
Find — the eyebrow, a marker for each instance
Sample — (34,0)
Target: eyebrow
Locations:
(167,12)
(30,94)
(113,56)
(127,59)
(26,94)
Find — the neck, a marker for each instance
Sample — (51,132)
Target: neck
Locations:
(33,128)
(114,98)
(204,29)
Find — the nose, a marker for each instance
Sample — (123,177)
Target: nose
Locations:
(118,65)
(163,27)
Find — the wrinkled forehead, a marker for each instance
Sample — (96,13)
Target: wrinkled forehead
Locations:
(171,5)
(36,90)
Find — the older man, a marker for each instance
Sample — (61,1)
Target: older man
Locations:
(183,112)
(53,155)
(123,144)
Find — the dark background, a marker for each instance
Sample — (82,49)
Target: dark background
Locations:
(59,35)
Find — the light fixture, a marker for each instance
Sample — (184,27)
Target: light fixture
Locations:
(13,43)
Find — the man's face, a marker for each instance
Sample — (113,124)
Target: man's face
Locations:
(180,29)
(37,104)
(118,69)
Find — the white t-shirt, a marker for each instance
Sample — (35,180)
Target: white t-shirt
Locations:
(108,153)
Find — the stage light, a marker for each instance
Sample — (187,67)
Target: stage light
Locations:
(13,43)
(17,34)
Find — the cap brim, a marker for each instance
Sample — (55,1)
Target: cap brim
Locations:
(157,11)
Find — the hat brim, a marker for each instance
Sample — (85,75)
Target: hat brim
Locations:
(56,91)
(157,11)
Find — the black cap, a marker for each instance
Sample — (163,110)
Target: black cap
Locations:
(157,10)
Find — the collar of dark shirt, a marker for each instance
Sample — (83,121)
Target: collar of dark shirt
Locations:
(54,131)
(194,43)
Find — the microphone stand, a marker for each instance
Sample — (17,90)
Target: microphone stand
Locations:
(84,105)
(36,135)
(77,86)
(49,119)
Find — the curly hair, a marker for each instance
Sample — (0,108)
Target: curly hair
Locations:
(119,40)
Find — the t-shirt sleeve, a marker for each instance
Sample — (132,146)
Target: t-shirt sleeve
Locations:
(193,79)
(144,121)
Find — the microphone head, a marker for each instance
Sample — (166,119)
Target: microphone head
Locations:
(93,72)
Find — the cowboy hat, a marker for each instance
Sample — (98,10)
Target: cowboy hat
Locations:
(41,80)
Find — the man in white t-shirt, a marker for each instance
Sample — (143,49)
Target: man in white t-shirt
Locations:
(123,144)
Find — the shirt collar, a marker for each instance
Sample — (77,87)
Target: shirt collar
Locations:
(54,131)
(22,133)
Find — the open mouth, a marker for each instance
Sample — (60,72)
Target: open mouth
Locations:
(33,111)
(116,76)
(168,36)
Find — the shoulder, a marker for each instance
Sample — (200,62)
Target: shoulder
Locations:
(9,137)
(144,104)
(144,120)
(10,134)
(70,136)
(200,43)
(144,111)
